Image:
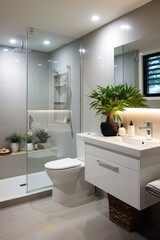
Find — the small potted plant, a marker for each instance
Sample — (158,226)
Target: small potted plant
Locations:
(42,136)
(15,141)
(30,137)
(108,100)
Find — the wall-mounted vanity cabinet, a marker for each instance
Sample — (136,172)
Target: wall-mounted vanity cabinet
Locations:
(122,171)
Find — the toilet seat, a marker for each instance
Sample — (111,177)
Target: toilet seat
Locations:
(64,163)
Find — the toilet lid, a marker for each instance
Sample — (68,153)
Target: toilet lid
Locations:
(63,164)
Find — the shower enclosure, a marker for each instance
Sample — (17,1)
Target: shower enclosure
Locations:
(53,103)
(48,99)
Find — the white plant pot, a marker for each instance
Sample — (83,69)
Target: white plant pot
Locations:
(29,146)
(14,147)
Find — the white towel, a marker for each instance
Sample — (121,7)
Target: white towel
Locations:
(153,188)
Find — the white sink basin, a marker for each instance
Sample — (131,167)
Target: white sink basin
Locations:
(135,146)
(136,141)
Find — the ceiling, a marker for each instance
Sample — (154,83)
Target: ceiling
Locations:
(62,20)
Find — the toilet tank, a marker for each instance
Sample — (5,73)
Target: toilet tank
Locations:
(81,145)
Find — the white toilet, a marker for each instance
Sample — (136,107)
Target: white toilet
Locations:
(67,175)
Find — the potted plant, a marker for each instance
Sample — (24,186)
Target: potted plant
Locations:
(42,137)
(30,137)
(111,99)
(15,141)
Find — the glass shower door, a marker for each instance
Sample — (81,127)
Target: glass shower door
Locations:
(53,96)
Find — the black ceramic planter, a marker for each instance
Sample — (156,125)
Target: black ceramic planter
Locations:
(109,129)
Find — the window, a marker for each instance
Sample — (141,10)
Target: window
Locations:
(151,74)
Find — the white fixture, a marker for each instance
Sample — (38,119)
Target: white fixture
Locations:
(13,41)
(46,42)
(67,175)
(95,18)
(125,27)
(148,130)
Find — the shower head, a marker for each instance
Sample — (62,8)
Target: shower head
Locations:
(21,49)
(31,30)
(67,66)
(54,71)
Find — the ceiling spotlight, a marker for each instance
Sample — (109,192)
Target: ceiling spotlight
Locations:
(125,27)
(46,42)
(95,18)
(82,50)
(12,41)
(5,49)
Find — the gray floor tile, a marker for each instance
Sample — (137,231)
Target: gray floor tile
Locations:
(44,220)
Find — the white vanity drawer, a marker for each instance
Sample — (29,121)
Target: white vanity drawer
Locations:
(114,157)
(113,178)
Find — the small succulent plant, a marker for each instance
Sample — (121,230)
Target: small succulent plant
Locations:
(42,135)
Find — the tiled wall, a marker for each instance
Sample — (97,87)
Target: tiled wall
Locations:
(12,94)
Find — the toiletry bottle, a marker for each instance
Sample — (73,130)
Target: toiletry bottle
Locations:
(35,146)
(131,129)
(121,130)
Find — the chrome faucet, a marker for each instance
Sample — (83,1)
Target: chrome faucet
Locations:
(148,130)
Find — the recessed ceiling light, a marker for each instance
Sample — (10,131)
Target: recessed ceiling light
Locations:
(12,41)
(82,50)
(5,49)
(46,42)
(95,18)
(125,27)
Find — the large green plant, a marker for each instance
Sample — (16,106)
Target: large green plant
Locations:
(108,100)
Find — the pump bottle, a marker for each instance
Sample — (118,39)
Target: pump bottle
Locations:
(131,130)
(121,130)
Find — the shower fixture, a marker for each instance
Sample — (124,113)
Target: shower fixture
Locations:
(30,122)
(68,67)
(69,94)
(31,30)
(21,49)
(54,71)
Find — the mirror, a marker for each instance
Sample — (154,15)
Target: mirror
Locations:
(128,63)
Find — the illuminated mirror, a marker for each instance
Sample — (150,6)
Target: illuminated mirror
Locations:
(130,67)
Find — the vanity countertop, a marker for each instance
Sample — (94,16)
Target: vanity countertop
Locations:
(136,147)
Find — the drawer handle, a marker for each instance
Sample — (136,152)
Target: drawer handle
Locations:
(109,166)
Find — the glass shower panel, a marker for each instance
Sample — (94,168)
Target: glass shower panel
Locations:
(53,104)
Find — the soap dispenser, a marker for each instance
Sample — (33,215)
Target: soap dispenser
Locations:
(131,129)
(121,130)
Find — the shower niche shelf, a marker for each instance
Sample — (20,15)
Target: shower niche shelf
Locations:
(23,151)
(60,105)
(61,91)
(59,85)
